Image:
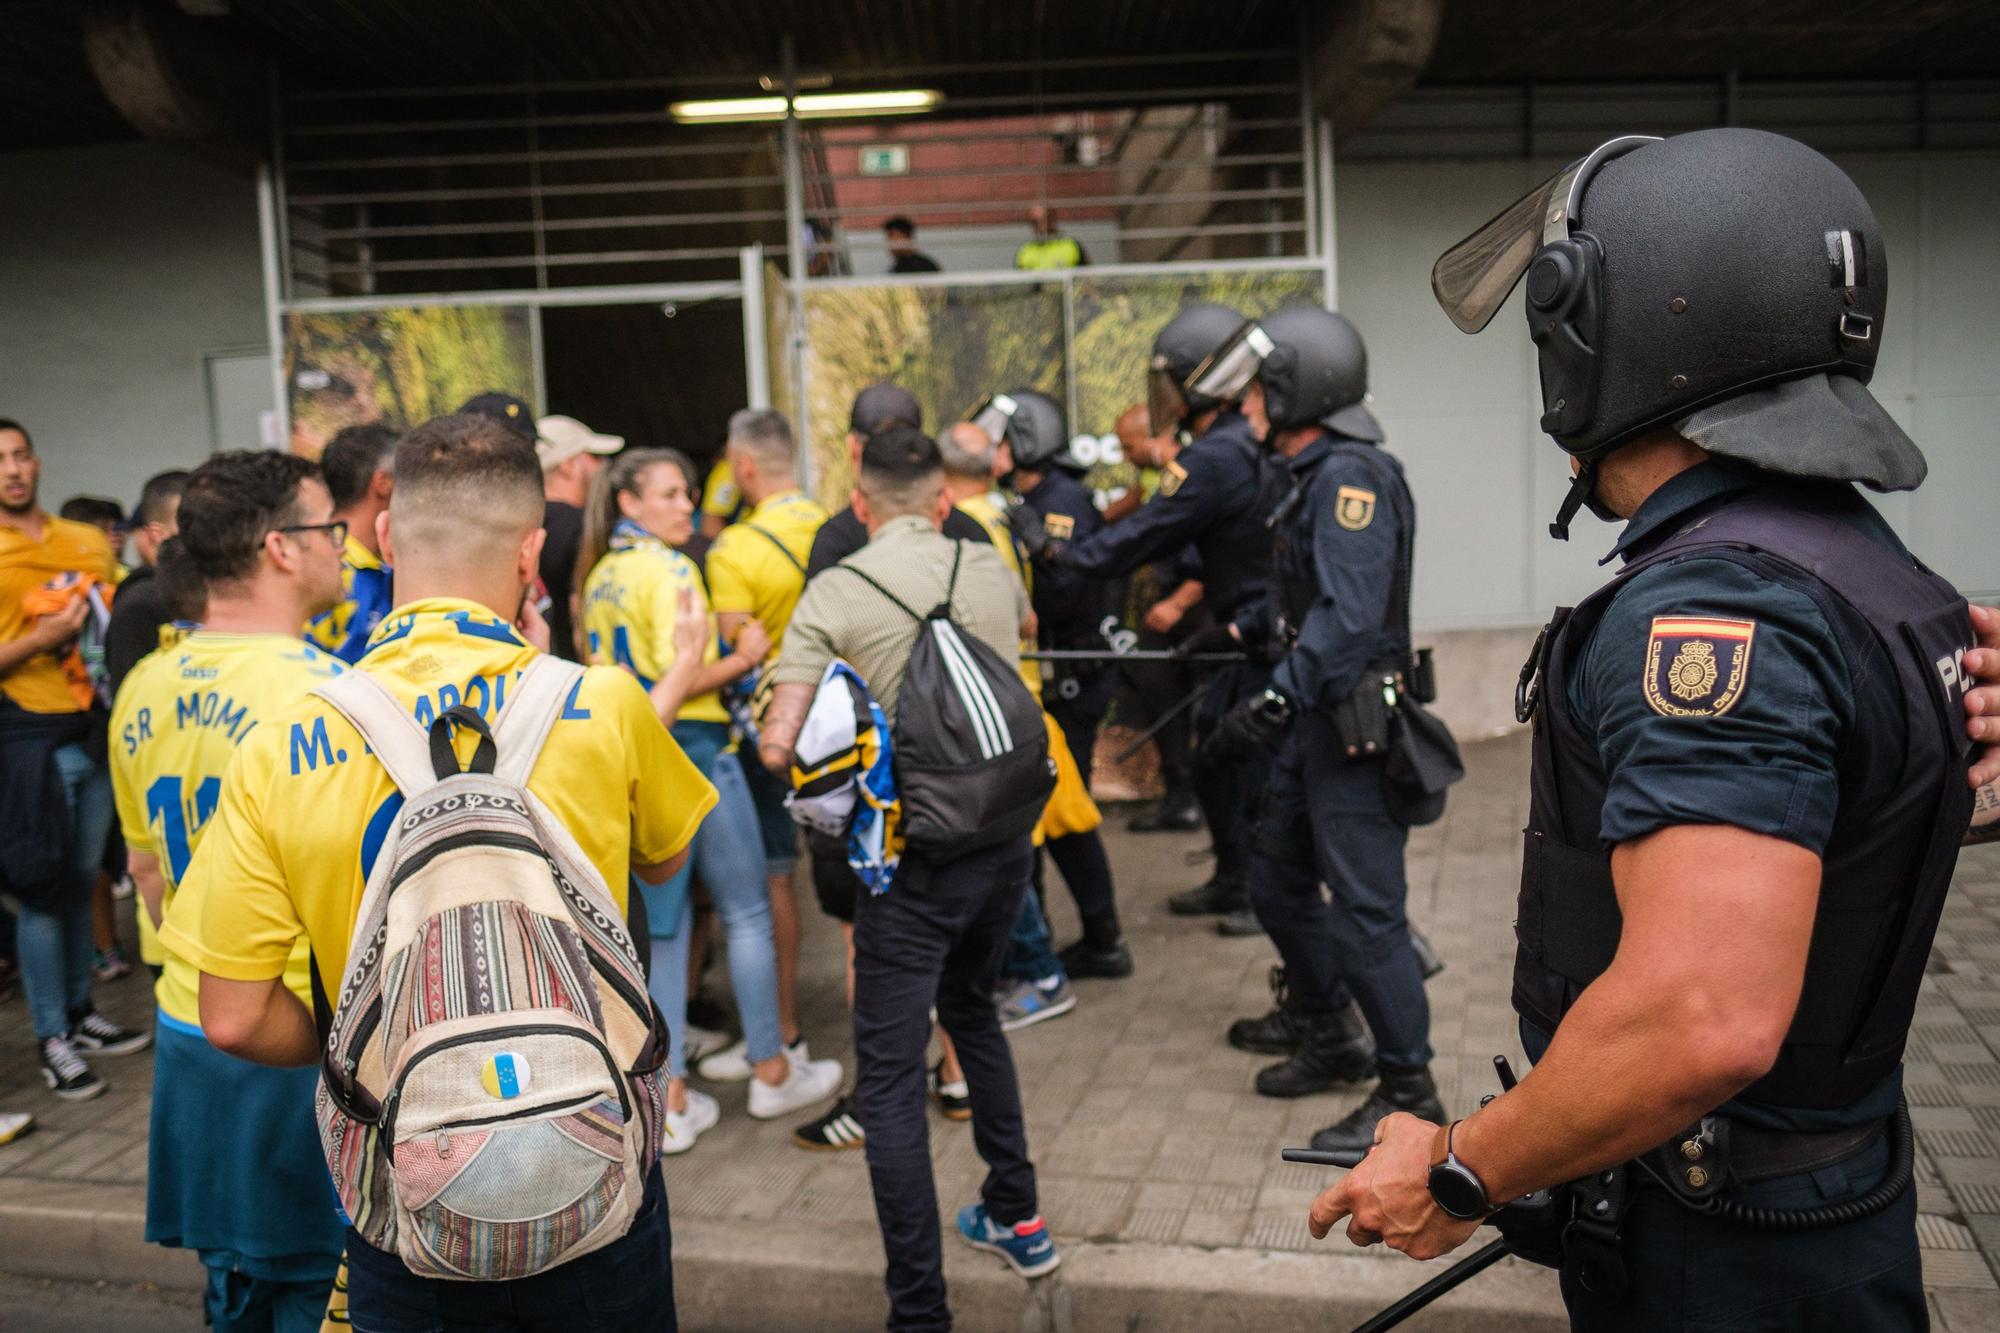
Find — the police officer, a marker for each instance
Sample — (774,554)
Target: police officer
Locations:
(1748,786)
(1340,618)
(1215,495)
(1033,440)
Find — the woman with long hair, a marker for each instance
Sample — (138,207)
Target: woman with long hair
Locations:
(641,605)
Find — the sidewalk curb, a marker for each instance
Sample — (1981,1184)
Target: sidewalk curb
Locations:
(735,1276)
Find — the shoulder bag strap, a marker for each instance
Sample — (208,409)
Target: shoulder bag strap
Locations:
(532,707)
(783,549)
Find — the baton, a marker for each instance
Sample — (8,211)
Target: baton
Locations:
(1459,1272)
(1134,655)
(1160,723)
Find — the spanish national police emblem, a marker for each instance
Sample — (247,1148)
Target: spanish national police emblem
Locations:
(1171,478)
(1697,666)
(1059,526)
(1354,508)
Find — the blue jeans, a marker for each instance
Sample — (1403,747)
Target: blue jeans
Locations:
(55,945)
(729,853)
(1031,954)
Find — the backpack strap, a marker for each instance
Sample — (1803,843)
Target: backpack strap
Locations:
(943,609)
(772,538)
(530,713)
(391,733)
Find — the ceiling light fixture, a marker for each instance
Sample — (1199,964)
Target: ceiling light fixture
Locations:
(808,106)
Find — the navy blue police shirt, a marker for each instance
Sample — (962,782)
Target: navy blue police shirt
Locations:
(1215,495)
(1721,692)
(1068,603)
(1336,566)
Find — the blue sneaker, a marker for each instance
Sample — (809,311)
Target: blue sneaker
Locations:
(1026,1246)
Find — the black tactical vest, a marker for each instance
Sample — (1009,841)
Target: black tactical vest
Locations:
(1294,569)
(1886,870)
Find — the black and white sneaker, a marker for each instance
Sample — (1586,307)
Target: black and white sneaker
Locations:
(100,1036)
(838,1129)
(66,1073)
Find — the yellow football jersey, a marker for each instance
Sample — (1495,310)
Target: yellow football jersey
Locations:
(721,497)
(990,510)
(629,604)
(304,809)
(365,597)
(758,566)
(177,722)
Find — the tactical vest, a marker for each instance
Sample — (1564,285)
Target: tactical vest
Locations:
(1886,870)
(1293,568)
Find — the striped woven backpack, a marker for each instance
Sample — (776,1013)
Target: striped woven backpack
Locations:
(492,1094)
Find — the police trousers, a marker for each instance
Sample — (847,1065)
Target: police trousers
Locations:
(1687,1271)
(1323,819)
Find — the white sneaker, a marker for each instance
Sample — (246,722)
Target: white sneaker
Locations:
(13,1124)
(729,1065)
(699,1042)
(810,1081)
(684,1127)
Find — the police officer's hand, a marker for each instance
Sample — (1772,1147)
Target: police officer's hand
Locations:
(1387,1199)
(1258,723)
(1982,701)
(1029,530)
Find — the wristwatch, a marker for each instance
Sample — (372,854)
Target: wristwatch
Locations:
(1454,1186)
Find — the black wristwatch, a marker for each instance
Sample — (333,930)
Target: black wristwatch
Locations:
(1454,1187)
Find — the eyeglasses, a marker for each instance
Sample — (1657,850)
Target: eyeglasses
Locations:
(337,529)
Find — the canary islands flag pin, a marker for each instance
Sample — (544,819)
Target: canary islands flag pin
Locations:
(504,1075)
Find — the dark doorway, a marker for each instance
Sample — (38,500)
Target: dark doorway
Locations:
(654,378)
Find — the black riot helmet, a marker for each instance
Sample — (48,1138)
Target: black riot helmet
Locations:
(1312,365)
(1188,339)
(1730,284)
(1030,422)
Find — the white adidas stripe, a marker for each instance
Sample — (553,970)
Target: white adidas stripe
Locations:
(995,738)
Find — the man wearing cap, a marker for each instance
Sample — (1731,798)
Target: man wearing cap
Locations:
(570,453)
(877,408)
(359,467)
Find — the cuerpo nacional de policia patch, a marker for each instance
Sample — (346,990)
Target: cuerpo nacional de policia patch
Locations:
(1354,508)
(1171,478)
(1697,666)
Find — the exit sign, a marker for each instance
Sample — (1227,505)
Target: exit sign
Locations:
(886,160)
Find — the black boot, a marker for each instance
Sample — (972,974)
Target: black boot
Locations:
(1336,1050)
(1279,1032)
(1239,924)
(1085,959)
(1227,892)
(1401,1089)
(1176,813)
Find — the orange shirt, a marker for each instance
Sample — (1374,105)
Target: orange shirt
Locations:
(39,684)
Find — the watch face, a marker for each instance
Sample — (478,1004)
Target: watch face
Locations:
(1457,1191)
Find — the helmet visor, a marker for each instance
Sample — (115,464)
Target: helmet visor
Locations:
(1473,279)
(994,416)
(1229,370)
(1166,405)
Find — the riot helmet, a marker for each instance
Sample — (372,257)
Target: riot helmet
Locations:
(1031,423)
(1186,341)
(1312,365)
(1730,284)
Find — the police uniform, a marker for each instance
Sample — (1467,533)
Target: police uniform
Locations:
(1341,573)
(1768,658)
(1070,608)
(1740,671)
(1216,496)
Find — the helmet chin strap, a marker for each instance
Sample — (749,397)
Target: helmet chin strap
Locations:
(1579,492)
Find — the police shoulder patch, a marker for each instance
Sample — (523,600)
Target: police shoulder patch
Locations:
(1059,526)
(1171,478)
(1697,666)
(1354,508)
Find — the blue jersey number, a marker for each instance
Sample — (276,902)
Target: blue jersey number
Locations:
(165,806)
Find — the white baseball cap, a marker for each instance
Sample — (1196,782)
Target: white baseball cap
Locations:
(559,439)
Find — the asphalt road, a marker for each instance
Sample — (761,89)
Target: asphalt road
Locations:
(32,1305)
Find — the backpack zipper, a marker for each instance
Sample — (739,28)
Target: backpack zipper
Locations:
(393,1101)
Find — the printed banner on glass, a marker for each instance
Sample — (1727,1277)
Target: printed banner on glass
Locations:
(400,364)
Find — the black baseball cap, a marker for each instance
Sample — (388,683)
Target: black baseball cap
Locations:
(880,406)
(507,409)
